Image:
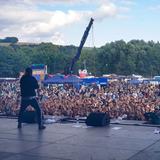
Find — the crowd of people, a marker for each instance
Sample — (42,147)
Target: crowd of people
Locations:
(118,98)
(9,98)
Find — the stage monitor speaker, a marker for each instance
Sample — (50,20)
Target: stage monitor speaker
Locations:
(98,119)
(29,117)
(152,117)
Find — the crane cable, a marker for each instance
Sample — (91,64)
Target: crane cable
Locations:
(93,45)
(93,40)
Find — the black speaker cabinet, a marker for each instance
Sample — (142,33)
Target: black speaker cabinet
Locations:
(98,119)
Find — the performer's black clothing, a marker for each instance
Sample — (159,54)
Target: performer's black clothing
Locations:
(24,104)
(28,84)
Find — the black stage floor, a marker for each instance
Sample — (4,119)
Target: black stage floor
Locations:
(70,142)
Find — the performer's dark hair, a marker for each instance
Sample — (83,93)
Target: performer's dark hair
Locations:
(28,71)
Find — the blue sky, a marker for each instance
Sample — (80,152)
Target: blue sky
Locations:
(63,21)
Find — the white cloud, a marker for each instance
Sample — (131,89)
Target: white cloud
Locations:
(27,21)
(31,2)
(58,38)
(105,10)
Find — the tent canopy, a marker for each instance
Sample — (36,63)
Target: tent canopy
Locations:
(72,79)
(61,79)
(134,81)
(56,79)
(97,80)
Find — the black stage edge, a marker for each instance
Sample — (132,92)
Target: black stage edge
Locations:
(113,121)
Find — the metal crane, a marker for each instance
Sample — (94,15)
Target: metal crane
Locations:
(83,40)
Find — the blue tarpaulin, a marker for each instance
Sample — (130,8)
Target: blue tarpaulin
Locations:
(134,81)
(72,79)
(57,79)
(61,79)
(98,80)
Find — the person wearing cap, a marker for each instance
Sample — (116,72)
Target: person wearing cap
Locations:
(28,85)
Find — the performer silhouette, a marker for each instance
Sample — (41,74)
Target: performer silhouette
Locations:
(28,85)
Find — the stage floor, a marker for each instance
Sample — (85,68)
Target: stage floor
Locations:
(69,142)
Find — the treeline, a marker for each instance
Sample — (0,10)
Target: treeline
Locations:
(134,57)
(9,40)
